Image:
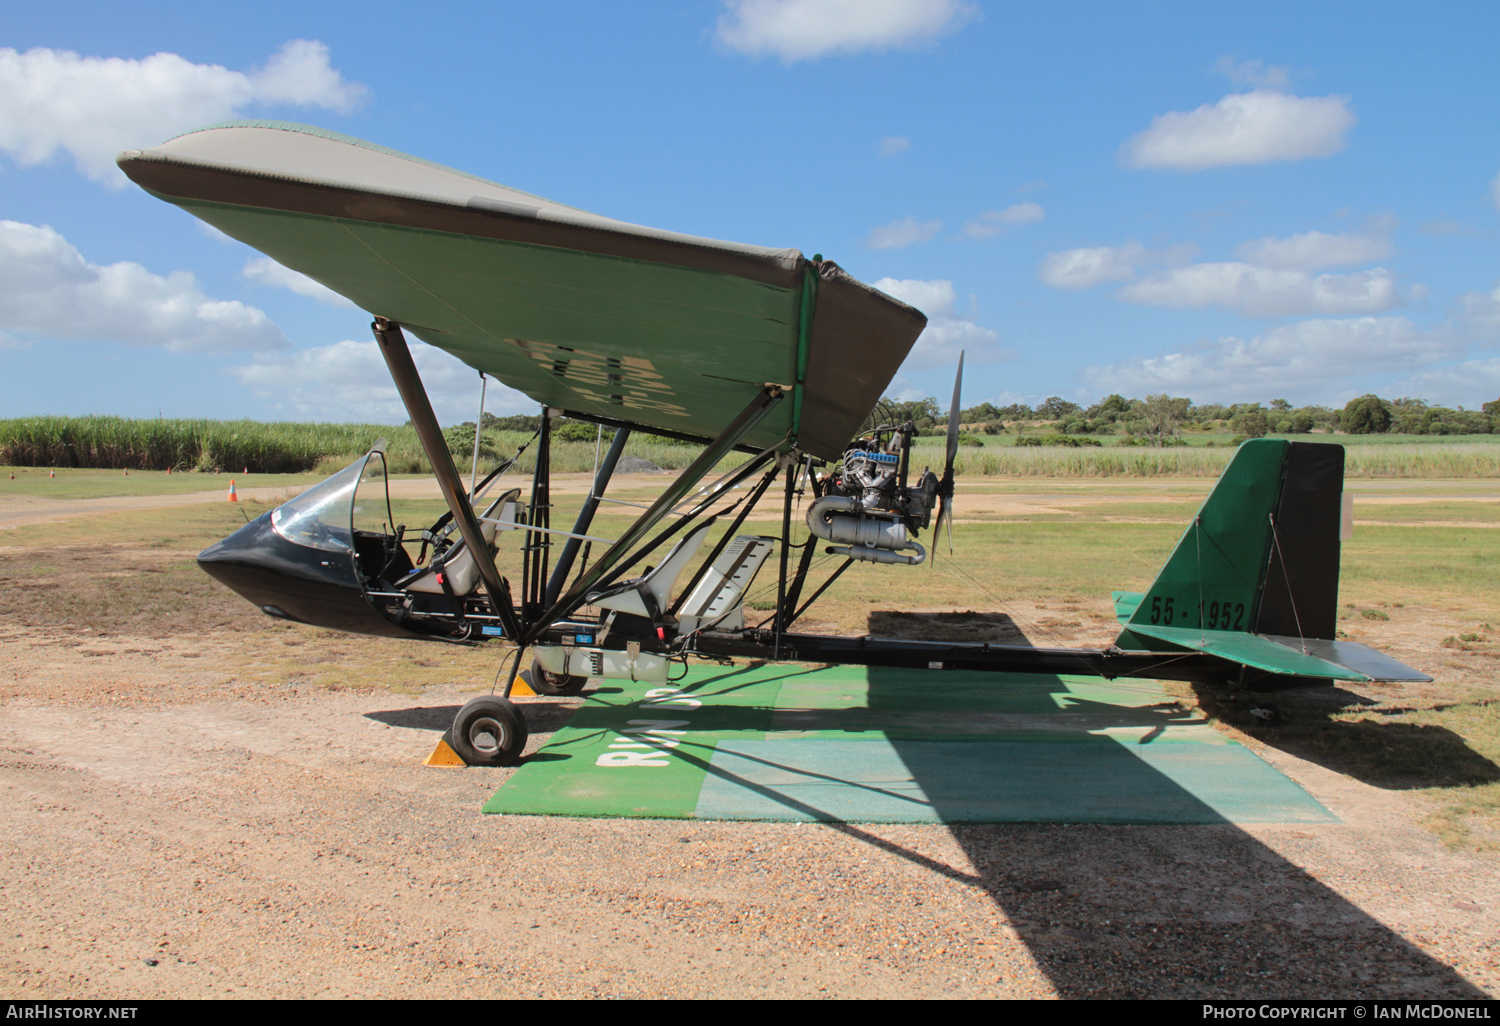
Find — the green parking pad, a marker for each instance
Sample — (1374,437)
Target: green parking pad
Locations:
(851,744)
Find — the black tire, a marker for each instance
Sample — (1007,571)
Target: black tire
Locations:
(1266,712)
(544,683)
(489,731)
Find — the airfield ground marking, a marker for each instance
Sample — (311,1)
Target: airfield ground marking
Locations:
(849,745)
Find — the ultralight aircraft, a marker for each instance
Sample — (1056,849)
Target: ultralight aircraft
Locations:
(741,349)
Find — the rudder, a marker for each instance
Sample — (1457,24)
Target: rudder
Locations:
(1262,555)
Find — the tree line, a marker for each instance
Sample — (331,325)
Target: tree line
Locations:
(1158,419)
(1161,418)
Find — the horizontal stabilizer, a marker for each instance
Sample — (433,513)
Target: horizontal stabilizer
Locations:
(1126,603)
(1312,657)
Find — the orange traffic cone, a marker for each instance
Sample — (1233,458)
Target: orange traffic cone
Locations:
(247,470)
(233,497)
(52,473)
(127,471)
(169,470)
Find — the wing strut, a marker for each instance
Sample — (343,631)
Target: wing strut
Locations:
(409,383)
(766,400)
(602,475)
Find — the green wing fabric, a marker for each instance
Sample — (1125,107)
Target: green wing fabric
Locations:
(578,311)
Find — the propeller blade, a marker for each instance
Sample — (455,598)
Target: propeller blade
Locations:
(953,419)
(937,527)
(945,486)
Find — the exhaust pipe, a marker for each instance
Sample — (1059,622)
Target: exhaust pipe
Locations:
(870,555)
(872,538)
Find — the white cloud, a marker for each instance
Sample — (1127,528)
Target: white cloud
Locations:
(1481,311)
(906,232)
(933,298)
(1303,361)
(299,74)
(48,289)
(945,337)
(1253,73)
(1243,128)
(993,222)
(348,381)
(1074,269)
(1274,280)
(266,271)
(1312,250)
(946,334)
(1265,292)
(93,107)
(1471,384)
(894,144)
(797,30)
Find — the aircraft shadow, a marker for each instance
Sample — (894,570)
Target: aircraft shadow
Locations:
(969,626)
(1191,908)
(540,717)
(1390,755)
(1196,908)
(432,717)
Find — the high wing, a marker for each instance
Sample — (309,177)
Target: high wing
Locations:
(581,312)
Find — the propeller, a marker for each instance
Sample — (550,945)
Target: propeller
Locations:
(945,486)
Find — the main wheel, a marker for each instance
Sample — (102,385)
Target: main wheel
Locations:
(544,683)
(1267,712)
(489,731)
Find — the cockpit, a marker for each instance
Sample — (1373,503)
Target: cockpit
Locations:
(334,557)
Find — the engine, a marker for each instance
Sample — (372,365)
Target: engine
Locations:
(867,505)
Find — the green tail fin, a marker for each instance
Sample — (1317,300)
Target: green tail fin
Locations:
(1255,578)
(1262,555)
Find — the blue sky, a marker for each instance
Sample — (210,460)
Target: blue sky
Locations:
(1226,201)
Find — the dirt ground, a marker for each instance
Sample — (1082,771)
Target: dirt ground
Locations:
(198,801)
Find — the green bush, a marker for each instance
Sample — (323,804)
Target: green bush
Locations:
(575,431)
(1367,415)
(1072,441)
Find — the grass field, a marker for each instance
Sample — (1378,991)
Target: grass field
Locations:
(100,484)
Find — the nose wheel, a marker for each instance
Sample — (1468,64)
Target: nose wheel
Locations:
(489,731)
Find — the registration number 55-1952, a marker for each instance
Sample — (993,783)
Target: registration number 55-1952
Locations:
(1219,615)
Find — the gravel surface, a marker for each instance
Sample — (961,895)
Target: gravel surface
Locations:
(272,844)
(178,820)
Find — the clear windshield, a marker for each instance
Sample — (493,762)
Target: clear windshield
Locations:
(372,504)
(319,518)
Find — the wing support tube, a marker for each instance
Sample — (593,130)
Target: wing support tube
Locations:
(764,402)
(398,361)
(586,516)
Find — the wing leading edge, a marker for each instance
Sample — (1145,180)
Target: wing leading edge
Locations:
(578,311)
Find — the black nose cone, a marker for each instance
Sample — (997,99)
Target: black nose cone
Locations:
(294,582)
